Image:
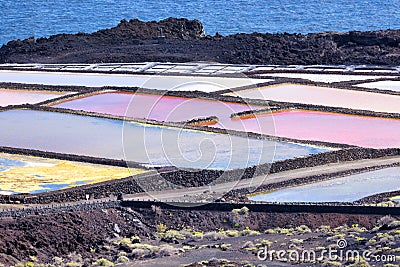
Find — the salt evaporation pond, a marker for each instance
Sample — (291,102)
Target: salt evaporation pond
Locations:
(6,163)
(331,97)
(344,189)
(382,85)
(325,78)
(156,107)
(154,145)
(18,97)
(27,174)
(180,83)
(324,126)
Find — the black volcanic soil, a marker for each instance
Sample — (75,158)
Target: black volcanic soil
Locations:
(92,233)
(137,41)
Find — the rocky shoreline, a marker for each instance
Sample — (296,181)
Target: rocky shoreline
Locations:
(183,40)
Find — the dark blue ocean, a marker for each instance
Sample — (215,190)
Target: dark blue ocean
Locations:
(24,18)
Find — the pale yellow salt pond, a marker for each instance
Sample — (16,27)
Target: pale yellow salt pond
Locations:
(27,174)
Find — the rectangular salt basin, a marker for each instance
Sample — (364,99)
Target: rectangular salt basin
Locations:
(173,83)
(324,126)
(330,97)
(156,107)
(382,85)
(345,189)
(19,97)
(324,78)
(149,144)
(27,174)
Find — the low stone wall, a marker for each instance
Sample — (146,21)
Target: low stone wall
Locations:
(379,197)
(42,210)
(314,208)
(270,208)
(201,121)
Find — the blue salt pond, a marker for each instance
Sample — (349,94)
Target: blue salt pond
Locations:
(50,187)
(148,144)
(5,164)
(344,189)
(382,85)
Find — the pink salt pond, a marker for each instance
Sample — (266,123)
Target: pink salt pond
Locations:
(330,97)
(322,126)
(156,107)
(18,97)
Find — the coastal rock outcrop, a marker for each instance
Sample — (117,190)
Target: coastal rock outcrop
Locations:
(183,40)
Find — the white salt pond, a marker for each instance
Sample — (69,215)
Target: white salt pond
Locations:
(382,85)
(344,189)
(324,78)
(177,83)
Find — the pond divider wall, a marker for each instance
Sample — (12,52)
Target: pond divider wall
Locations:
(268,207)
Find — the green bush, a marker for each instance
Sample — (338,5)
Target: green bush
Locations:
(123,259)
(225,247)
(73,264)
(230,233)
(241,211)
(249,232)
(123,241)
(172,236)
(215,235)
(103,262)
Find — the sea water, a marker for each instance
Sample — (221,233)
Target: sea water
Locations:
(22,19)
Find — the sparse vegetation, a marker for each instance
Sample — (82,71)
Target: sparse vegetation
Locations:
(215,235)
(248,232)
(103,262)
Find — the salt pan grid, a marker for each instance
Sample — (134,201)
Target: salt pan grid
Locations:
(156,107)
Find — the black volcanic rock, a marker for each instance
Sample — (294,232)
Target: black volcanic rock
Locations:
(184,40)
